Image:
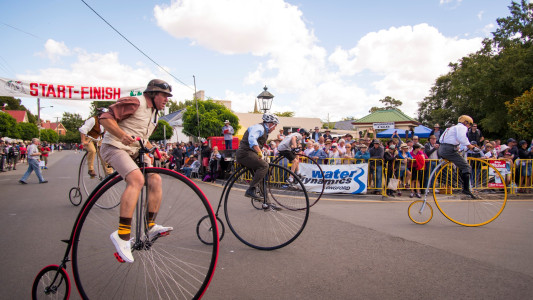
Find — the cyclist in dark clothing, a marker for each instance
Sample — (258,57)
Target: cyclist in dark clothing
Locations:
(249,153)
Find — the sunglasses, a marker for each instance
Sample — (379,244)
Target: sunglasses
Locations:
(164,86)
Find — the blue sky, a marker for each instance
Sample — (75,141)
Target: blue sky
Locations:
(320,59)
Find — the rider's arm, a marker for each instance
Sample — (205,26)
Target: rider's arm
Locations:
(461,136)
(117,112)
(112,127)
(254,132)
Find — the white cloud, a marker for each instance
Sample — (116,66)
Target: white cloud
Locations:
(401,62)
(480,15)
(54,50)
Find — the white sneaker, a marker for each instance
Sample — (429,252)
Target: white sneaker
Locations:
(158,229)
(123,247)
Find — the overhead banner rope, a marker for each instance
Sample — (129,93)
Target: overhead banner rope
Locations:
(20,88)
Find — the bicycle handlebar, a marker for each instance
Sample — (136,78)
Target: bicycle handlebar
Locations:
(151,150)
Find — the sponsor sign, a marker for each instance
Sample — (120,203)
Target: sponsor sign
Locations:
(385,125)
(350,179)
(500,165)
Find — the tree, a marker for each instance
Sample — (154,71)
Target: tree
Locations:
(28,131)
(71,121)
(480,83)
(8,126)
(70,137)
(49,135)
(289,114)
(174,106)
(99,104)
(390,103)
(522,111)
(211,115)
(158,135)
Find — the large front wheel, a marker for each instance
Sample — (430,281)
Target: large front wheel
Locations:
(279,221)
(486,183)
(173,266)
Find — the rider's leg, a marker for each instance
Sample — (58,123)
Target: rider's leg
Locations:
(91,151)
(154,193)
(128,200)
(250,160)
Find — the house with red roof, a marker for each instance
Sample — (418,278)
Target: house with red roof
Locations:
(57,127)
(20,115)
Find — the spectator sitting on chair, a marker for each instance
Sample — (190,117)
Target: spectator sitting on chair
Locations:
(195,164)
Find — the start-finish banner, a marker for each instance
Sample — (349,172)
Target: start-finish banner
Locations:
(38,89)
(350,179)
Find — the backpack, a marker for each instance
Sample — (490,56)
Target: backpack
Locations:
(13,151)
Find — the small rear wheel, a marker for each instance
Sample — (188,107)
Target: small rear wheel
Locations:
(204,230)
(75,196)
(420,212)
(52,282)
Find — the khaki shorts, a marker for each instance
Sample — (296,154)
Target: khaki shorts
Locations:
(120,160)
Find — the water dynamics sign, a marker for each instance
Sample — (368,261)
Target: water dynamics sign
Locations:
(348,179)
(20,88)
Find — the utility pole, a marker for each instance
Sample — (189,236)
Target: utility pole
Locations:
(196,101)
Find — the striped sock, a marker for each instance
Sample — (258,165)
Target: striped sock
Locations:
(124,228)
(151,219)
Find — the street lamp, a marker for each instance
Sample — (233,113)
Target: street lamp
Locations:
(265,100)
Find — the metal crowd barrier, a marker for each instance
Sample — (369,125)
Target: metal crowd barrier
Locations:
(518,176)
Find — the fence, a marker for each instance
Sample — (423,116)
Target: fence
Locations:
(518,174)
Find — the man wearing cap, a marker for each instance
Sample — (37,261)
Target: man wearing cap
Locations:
(316,134)
(130,118)
(227,131)
(327,135)
(450,140)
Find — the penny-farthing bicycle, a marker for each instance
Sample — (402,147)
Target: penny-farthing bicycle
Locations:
(171,265)
(445,184)
(87,182)
(313,196)
(271,223)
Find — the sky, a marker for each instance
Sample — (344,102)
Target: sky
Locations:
(324,59)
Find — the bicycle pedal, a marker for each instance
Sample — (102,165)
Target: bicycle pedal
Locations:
(117,256)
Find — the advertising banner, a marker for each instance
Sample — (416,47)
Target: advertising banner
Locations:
(501,166)
(349,179)
(384,125)
(38,89)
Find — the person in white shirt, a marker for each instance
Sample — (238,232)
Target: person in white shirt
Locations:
(450,140)
(91,133)
(290,143)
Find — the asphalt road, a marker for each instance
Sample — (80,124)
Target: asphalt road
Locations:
(352,248)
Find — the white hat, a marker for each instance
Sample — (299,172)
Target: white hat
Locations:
(227,121)
(503,148)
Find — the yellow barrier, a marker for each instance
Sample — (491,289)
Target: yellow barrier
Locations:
(519,178)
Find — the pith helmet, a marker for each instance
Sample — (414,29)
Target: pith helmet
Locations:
(158,85)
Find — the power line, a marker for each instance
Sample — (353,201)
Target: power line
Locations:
(136,46)
(18,29)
